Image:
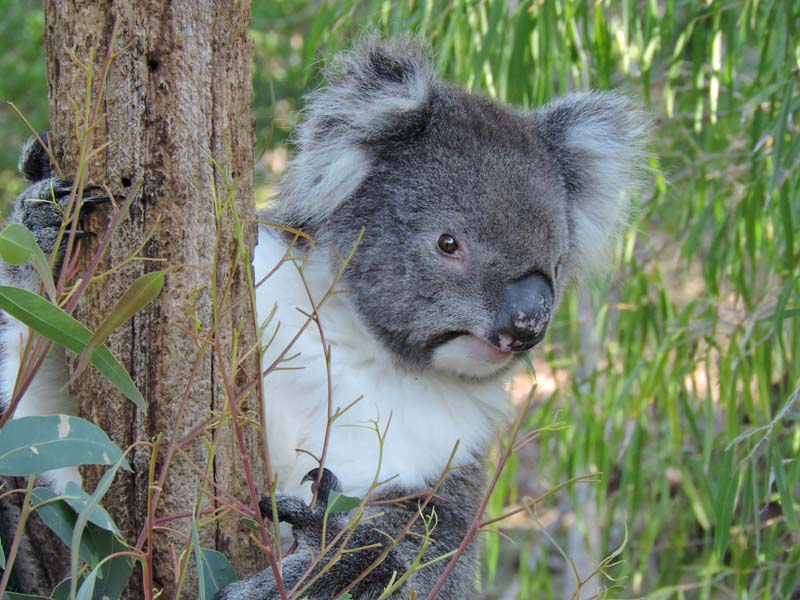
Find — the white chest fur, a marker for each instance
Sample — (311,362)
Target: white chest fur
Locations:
(423,415)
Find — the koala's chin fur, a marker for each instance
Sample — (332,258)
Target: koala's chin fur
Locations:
(476,217)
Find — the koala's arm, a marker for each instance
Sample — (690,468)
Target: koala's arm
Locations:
(40,208)
(454,505)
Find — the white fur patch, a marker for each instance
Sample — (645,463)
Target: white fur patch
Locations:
(426,413)
(44,395)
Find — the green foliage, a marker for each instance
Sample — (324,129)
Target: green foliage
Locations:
(107,577)
(24,82)
(214,571)
(339,503)
(56,325)
(77,499)
(33,445)
(16,244)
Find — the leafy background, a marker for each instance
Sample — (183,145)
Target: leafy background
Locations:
(676,378)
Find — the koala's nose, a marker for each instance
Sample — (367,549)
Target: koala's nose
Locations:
(525,314)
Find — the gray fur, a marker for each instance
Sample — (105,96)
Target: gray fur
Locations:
(40,208)
(34,161)
(379,91)
(455,504)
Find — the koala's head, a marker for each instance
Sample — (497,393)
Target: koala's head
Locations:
(476,216)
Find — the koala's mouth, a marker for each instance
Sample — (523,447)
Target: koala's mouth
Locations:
(479,349)
(442,338)
(473,346)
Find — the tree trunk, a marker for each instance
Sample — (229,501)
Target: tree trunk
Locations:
(177,95)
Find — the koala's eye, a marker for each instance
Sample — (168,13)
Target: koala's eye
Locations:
(447,243)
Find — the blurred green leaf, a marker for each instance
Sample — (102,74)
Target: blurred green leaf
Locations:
(16,244)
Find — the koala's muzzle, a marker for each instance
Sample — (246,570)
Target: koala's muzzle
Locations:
(525,313)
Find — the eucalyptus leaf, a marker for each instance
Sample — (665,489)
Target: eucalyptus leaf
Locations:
(214,571)
(113,575)
(60,518)
(95,544)
(108,580)
(76,497)
(33,445)
(53,323)
(61,591)
(43,268)
(16,244)
(339,503)
(116,572)
(141,293)
(86,591)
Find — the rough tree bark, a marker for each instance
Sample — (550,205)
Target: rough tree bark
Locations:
(178,94)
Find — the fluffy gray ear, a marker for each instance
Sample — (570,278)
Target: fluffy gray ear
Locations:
(599,141)
(376,92)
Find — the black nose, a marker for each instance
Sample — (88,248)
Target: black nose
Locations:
(525,313)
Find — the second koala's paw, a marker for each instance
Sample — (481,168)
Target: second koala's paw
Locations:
(42,208)
(43,205)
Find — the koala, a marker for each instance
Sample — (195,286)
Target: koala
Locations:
(465,221)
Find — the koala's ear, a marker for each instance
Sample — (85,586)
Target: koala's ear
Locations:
(599,142)
(377,92)
(34,161)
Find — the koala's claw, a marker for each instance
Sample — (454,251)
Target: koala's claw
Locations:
(327,483)
(91,202)
(43,205)
(307,523)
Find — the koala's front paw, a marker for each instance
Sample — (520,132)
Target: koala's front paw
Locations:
(307,523)
(42,208)
(43,205)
